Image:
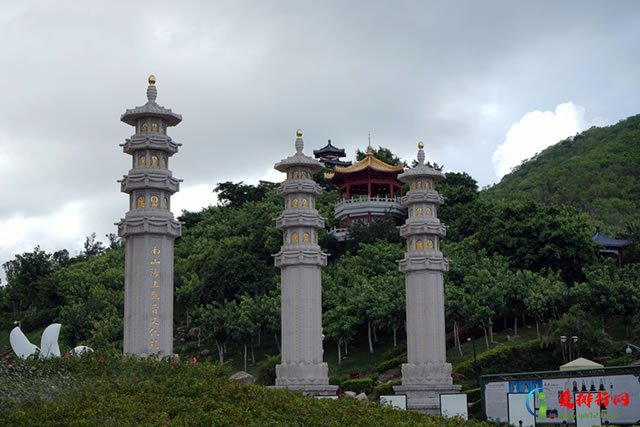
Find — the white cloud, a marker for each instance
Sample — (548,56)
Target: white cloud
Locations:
(272,175)
(491,111)
(63,228)
(536,131)
(193,198)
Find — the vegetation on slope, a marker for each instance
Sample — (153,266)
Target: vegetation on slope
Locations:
(596,171)
(116,390)
(513,263)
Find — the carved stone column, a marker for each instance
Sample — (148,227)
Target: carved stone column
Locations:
(426,374)
(300,261)
(149,229)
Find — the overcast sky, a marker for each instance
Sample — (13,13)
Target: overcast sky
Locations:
(484,84)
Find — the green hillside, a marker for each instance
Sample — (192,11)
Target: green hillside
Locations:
(108,389)
(596,171)
(522,270)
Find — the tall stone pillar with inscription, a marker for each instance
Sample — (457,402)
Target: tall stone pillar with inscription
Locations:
(426,374)
(149,229)
(300,261)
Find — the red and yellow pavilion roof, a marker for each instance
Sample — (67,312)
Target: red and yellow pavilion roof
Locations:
(369,162)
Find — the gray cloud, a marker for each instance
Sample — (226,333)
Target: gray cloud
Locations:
(245,75)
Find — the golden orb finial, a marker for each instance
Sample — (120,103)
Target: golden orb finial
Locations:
(299,133)
(152,79)
(420,145)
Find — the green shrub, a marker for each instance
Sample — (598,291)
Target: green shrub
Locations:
(359,385)
(473,394)
(394,352)
(336,379)
(395,362)
(267,370)
(526,356)
(109,389)
(386,388)
(32,320)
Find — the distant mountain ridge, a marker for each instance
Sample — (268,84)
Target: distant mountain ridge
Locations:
(596,171)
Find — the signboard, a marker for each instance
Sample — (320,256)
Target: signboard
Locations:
(555,400)
(454,405)
(398,401)
(588,416)
(519,416)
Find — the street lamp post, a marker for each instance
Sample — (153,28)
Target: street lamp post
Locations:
(629,348)
(571,341)
(475,360)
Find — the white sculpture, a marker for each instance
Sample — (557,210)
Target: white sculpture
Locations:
(49,348)
(81,349)
(49,343)
(21,345)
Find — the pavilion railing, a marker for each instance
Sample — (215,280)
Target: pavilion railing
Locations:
(368,199)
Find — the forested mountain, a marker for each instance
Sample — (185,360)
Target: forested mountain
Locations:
(596,171)
(514,255)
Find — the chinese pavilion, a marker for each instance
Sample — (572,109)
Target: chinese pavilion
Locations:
(330,156)
(367,189)
(610,245)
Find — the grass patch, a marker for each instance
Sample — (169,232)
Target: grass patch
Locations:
(118,390)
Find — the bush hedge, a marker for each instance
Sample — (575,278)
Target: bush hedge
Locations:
(386,388)
(117,390)
(359,385)
(267,370)
(525,356)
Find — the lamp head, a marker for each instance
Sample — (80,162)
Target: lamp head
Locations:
(563,338)
(628,350)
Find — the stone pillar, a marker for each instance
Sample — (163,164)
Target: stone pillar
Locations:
(426,374)
(149,229)
(300,261)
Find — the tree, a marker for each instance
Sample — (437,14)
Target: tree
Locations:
(234,195)
(632,254)
(577,322)
(545,297)
(92,293)
(92,248)
(380,229)
(365,302)
(455,311)
(338,326)
(535,237)
(481,282)
(61,258)
(114,240)
(610,292)
(460,211)
(516,289)
(240,324)
(485,294)
(212,320)
(269,308)
(392,303)
(370,284)
(381,153)
(28,284)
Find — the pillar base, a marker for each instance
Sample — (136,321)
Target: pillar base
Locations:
(423,383)
(425,398)
(312,390)
(310,378)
